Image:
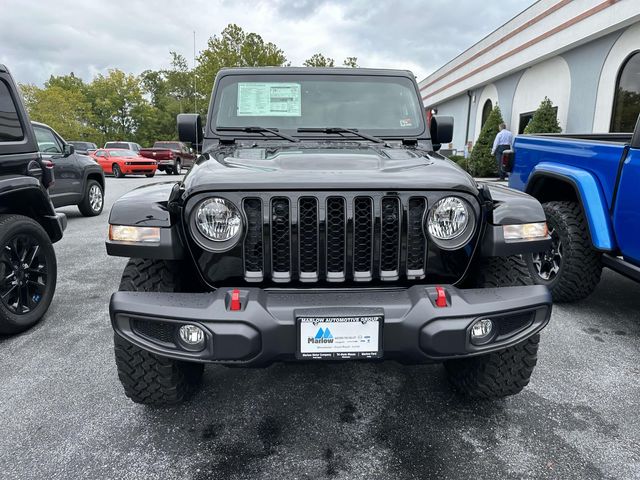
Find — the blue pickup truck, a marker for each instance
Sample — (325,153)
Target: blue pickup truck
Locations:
(589,186)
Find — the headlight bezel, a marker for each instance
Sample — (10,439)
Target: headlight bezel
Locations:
(462,238)
(207,243)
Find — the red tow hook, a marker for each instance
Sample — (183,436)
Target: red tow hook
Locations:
(441,297)
(235,305)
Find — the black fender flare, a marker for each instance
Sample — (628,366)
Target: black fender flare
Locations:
(26,196)
(148,206)
(510,207)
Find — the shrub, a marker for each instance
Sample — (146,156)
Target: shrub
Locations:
(545,119)
(482,162)
(460,160)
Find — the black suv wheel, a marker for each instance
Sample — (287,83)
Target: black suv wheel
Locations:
(571,268)
(93,200)
(148,378)
(27,273)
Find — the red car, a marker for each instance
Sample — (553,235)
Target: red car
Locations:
(121,162)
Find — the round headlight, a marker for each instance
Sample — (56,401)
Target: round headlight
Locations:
(218,219)
(450,222)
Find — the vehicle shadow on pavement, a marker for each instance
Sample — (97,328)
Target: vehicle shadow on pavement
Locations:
(362,420)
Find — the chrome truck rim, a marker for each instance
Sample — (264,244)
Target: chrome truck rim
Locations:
(95,198)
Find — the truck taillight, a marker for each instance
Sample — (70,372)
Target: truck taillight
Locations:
(507,160)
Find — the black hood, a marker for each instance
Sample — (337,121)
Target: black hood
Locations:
(325,167)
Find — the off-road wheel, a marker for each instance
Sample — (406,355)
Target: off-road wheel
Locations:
(93,200)
(150,175)
(571,268)
(116,171)
(507,371)
(148,378)
(27,273)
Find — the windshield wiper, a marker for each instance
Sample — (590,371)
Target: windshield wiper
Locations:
(274,131)
(342,130)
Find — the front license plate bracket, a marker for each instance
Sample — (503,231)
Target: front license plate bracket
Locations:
(339,337)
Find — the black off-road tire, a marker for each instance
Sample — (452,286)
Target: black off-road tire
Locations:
(493,272)
(506,372)
(10,226)
(148,378)
(150,175)
(497,374)
(581,266)
(86,207)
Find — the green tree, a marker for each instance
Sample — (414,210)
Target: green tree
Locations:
(350,62)
(545,119)
(233,48)
(118,106)
(319,60)
(61,106)
(481,162)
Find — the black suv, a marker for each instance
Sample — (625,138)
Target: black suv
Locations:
(320,223)
(79,179)
(28,223)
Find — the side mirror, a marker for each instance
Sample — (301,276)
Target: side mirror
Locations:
(69,149)
(190,128)
(441,129)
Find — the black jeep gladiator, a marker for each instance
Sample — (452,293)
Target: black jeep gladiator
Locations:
(28,223)
(320,223)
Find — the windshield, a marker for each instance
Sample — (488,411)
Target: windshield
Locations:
(382,106)
(169,145)
(116,145)
(122,153)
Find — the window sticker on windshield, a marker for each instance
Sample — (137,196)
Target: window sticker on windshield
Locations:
(269,100)
(406,122)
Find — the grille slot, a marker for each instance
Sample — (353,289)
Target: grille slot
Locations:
(308,238)
(390,238)
(281,239)
(253,248)
(416,241)
(362,238)
(334,237)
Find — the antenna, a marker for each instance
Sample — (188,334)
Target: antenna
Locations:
(195,92)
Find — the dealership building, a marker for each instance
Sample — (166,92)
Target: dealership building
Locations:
(582,54)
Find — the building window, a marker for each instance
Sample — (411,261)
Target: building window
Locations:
(626,104)
(486,111)
(525,118)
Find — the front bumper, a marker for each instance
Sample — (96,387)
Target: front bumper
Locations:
(264,330)
(133,169)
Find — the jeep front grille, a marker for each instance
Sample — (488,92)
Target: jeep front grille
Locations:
(334,237)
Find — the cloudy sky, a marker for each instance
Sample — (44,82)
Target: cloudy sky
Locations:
(43,37)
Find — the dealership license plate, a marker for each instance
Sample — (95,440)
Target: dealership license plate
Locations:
(335,337)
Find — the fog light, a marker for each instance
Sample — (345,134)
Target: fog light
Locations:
(481,331)
(192,336)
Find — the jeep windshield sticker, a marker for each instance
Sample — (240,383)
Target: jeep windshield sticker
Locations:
(269,100)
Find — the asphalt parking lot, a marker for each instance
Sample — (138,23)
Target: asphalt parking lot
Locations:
(63,413)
